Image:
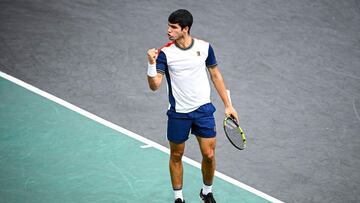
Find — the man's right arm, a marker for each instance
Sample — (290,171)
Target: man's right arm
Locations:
(155,82)
(154,78)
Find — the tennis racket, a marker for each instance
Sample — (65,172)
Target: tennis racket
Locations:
(233,131)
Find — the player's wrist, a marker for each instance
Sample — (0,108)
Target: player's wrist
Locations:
(151,71)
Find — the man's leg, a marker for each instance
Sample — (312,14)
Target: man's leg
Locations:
(208,164)
(176,167)
(177,133)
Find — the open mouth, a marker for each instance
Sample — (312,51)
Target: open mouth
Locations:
(170,36)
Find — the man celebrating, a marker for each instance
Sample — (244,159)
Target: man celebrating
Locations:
(185,61)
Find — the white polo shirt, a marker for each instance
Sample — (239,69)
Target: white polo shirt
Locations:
(186,74)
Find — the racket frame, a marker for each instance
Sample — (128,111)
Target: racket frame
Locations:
(240,131)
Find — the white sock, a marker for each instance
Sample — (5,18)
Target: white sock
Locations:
(206,189)
(178,194)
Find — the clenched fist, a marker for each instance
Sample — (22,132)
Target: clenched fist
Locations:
(152,54)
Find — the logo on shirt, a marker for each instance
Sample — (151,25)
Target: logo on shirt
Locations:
(198,53)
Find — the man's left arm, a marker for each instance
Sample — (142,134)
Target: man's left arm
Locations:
(220,87)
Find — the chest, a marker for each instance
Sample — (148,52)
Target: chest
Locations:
(186,60)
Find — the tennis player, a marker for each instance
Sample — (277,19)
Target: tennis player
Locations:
(185,61)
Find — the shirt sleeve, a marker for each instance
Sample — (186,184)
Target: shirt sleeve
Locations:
(161,63)
(211,59)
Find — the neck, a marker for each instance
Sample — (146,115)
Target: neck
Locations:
(184,42)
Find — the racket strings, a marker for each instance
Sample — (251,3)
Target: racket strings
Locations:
(232,126)
(234,134)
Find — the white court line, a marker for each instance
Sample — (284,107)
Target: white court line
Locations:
(131,134)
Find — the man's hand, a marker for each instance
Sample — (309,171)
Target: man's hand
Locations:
(154,78)
(230,111)
(152,54)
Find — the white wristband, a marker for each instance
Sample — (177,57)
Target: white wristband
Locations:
(151,70)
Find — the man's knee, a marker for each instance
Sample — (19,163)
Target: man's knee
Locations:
(176,151)
(176,155)
(209,156)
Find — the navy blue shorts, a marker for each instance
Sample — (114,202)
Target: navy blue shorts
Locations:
(200,122)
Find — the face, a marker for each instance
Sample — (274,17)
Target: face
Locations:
(175,32)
